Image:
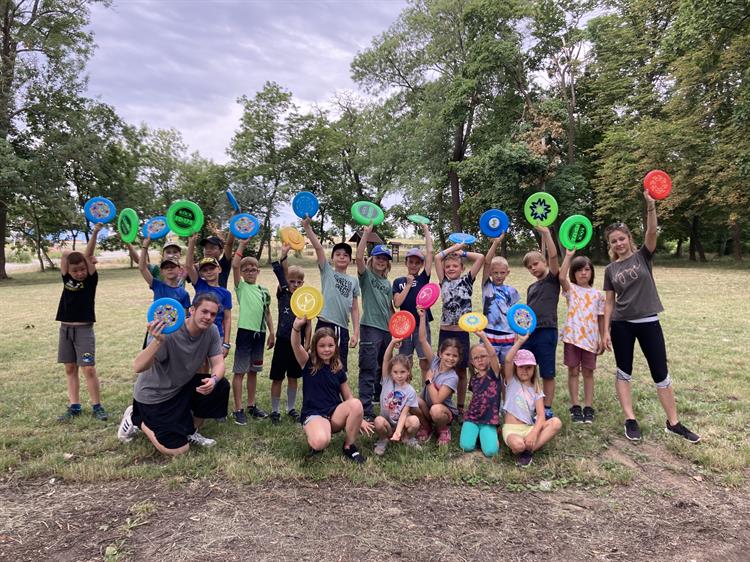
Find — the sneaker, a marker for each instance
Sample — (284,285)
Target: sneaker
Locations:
(682,431)
(294,415)
(380,447)
(524,459)
(198,439)
(69,414)
(632,431)
(413,443)
(100,413)
(353,454)
(256,412)
(424,433)
(588,414)
(444,435)
(127,430)
(576,414)
(275,418)
(548,413)
(369,418)
(239,417)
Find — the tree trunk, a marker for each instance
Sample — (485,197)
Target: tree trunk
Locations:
(3,231)
(678,249)
(695,243)
(736,241)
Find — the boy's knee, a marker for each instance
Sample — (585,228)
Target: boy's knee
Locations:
(89,372)
(318,441)
(71,369)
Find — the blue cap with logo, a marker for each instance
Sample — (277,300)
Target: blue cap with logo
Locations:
(381,250)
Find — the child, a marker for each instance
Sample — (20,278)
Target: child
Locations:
(255,315)
(396,398)
(340,293)
(440,381)
(323,388)
(405,290)
(542,296)
(525,429)
(76,313)
(214,247)
(283,363)
(377,307)
(456,290)
(497,299)
(170,250)
(482,417)
(583,333)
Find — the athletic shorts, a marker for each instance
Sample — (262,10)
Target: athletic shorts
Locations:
(574,356)
(284,363)
(543,344)
(463,341)
(249,348)
(520,429)
(411,344)
(77,344)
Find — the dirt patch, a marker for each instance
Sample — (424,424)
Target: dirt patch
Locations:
(667,513)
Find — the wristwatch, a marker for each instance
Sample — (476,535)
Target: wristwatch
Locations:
(428,382)
(226,345)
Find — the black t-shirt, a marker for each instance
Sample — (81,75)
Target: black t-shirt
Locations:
(286,316)
(77,299)
(543,296)
(226,268)
(410,302)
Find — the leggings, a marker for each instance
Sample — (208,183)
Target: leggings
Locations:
(487,438)
(651,339)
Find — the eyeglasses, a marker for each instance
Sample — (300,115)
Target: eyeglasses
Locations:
(250,270)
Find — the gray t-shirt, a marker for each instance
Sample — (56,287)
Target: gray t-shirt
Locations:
(393,399)
(377,304)
(542,296)
(448,378)
(339,290)
(175,364)
(633,283)
(520,401)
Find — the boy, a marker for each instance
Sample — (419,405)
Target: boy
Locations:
(405,290)
(284,363)
(542,296)
(77,344)
(170,250)
(255,315)
(497,298)
(340,293)
(214,247)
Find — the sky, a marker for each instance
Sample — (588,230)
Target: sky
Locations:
(183,63)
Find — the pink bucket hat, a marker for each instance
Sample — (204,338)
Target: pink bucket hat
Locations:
(524,357)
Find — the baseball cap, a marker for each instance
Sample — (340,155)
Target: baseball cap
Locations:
(215,240)
(172,245)
(208,261)
(381,250)
(342,246)
(524,357)
(416,252)
(169,261)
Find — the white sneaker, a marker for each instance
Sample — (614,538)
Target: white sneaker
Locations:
(413,443)
(198,439)
(127,430)
(380,447)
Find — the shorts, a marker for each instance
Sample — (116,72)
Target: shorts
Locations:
(77,344)
(463,341)
(411,344)
(249,348)
(574,356)
(342,335)
(520,429)
(284,363)
(543,344)
(501,351)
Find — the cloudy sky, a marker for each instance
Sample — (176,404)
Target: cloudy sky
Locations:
(183,63)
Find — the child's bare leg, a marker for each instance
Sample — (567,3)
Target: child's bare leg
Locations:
(92,384)
(74,385)
(318,432)
(252,382)
(348,415)
(588,387)
(237,390)
(440,415)
(516,444)
(411,426)
(276,389)
(161,448)
(462,384)
(422,412)
(549,430)
(573,385)
(548,385)
(382,427)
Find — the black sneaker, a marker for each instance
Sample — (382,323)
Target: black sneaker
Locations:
(369,418)
(682,431)
(576,414)
(548,413)
(239,417)
(353,454)
(294,415)
(588,414)
(632,431)
(100,413)
(69,414)
(524,459)
(256,412)
(275,418)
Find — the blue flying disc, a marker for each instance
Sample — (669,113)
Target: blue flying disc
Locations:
(462,238)
(99,209)
(168,310)
(305,204)
(233,200)
(244,225)
(521,319)
(155,228)
(493,223)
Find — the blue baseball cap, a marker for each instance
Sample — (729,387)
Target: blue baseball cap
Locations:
(381,250)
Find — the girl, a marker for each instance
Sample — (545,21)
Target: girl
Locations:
(583,333)
(525,430)
(440,381)
(483,417)
(631,313)
(323,387)
(396,399)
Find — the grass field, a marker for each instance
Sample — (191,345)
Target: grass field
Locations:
(707,321)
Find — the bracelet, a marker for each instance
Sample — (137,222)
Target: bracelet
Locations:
(215,379)
(442,254)
(464,254)
(226,345)
(649,209)
(238,254)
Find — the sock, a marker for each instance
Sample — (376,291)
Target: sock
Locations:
(75,407)
(291,398)
(275,404)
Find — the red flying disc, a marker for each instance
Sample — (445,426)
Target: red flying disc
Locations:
(402,324)
(428,295)
(658,184)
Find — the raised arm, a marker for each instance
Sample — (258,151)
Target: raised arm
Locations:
(283,260)
(520,339)
(651,231)
(494,361)
(190,259)
(91,246)
(361,247)
(300,353)
(236,259)
(477,260)
(440,256)
(228,246)
(549,244)
(488,257)
(428,256)
(143,262)
(387,356)
(313,238)
(133,254)
(426,347)
(564,269)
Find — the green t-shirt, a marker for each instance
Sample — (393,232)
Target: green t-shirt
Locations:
(377,303)
(254,301)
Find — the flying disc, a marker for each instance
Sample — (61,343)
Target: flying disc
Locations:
(428,295)
(658,184)
(127,225)
(540,208)
(307,302)
(419,219)
(521,319)
(576,232)
(305,204)
(99,209)
(168,310)
(291,236)
(233,200)
(462,238)
(155,228)
(366,212)
(244,225)
(472,322)
(493,223)
(402,324)
(184,217)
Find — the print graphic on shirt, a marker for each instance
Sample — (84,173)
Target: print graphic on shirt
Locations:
(498,308)
(394,402)
(344,286)
(73,285)
(456,301)
(524,402)
(630,272)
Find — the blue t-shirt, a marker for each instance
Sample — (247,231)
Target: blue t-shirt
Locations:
(162,290)
(321,392)
(410,302)
(496,300)
(225,301)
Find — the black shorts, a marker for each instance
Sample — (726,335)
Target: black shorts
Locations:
(248,351)
(284,363)
(172,420)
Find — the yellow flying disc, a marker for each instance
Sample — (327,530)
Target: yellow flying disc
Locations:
(472,322)
(307,302)
(290,235)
